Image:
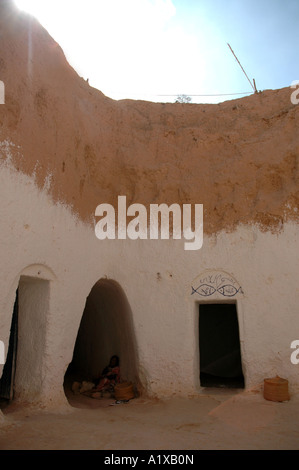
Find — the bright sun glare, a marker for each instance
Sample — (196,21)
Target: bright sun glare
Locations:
(126,49)
(155,49)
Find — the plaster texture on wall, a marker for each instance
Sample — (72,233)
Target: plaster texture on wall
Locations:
(56,260)
(264,264)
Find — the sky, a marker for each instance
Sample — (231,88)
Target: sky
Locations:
(155,50)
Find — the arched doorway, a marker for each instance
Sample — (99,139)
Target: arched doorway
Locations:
(106,329)
(22,372)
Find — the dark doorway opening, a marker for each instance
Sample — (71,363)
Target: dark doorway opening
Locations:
(219,346)
(9,369)
(106,329)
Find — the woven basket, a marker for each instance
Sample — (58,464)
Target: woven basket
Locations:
(276,389)
(124,391)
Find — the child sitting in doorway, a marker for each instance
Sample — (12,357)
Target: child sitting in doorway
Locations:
(109,377)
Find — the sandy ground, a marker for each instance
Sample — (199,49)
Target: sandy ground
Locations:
(216,419)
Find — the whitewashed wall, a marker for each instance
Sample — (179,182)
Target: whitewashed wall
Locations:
(43,241)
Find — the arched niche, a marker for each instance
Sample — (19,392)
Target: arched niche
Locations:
(106,329)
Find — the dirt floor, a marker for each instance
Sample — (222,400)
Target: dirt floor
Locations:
(215,419)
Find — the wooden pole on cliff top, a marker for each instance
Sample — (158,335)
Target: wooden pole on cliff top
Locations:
(252,85)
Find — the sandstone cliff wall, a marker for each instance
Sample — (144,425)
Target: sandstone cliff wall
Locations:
(238,158)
